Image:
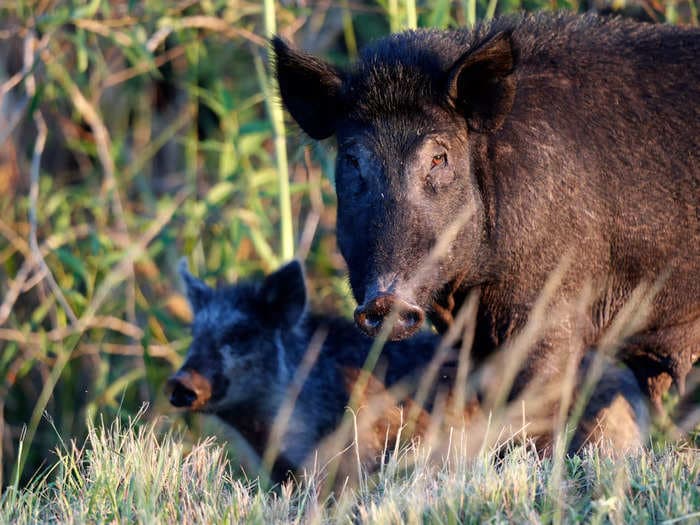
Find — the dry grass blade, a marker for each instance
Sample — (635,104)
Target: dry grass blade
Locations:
(454,334)
(509,360)
(284,415)
(219,26)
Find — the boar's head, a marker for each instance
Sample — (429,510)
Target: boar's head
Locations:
(236,357)
(407,118)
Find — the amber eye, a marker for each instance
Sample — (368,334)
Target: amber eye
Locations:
(438,160)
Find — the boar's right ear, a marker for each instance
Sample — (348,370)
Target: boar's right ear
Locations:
(309,88)
(284,294)
(481,85)
(198,293)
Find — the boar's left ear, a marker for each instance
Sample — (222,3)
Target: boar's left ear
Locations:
(284,294)
(309,88)
(198,293)
(481,85)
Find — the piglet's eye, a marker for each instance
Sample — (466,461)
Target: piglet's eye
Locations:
(237,334)
(438,161)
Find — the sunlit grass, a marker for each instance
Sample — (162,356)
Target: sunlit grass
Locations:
(128,472)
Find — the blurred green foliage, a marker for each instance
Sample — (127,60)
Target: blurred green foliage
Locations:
(159,144)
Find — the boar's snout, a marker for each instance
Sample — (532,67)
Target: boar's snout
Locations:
(370,316)
(189,389)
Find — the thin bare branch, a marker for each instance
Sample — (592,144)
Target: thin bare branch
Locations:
(135,350)
(42,131)
(142,67)
(15,289)
(24,280)
(99,28)
(218,25)
(17,114)
(104,148)
(58,334)
(18,242)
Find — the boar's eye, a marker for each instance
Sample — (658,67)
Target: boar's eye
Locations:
(352,162)
(351,174)
(439,176)
(438,161)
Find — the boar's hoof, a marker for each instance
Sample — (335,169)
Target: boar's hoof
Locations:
(407,318)
(189,389)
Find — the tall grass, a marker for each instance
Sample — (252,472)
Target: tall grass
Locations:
(274,109)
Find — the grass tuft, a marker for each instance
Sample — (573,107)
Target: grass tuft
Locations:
(135,472)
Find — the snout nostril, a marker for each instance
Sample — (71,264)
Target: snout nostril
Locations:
(189,389)
(182,396)
(410,318)
(405,317)
(373,320)
(369,320)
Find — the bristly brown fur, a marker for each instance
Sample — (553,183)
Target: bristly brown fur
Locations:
(586,149)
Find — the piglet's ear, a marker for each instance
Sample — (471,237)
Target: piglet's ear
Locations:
(198,293)
(481,85)
(284,294)
(309,88)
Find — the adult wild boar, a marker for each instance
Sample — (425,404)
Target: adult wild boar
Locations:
(511,148)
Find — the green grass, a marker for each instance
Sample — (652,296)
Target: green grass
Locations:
(134,473)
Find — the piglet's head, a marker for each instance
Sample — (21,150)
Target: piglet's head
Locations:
(237,348)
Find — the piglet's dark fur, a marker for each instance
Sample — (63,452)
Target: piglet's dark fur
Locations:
(248,342)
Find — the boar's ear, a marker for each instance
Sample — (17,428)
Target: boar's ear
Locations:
(284,294)
(309,88)
(481,85)
(198,293)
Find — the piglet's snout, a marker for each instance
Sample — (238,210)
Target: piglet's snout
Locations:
(189,389)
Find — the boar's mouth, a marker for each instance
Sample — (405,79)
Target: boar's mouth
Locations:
(446,302)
